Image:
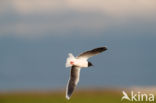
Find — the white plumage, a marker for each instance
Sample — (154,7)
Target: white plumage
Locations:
(80,62)
(76,63)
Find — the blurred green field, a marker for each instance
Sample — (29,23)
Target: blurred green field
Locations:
(80,96)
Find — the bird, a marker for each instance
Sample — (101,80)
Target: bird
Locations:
(76,64)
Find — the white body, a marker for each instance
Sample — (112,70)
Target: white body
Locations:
(81,62)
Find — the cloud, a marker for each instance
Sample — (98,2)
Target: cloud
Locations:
(31,6)
(115,8)
(40,17)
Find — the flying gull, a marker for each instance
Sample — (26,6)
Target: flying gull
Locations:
(76,63)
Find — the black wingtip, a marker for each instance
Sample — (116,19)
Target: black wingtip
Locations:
(104,48)
(101,49)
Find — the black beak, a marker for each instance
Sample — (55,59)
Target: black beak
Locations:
(90,64)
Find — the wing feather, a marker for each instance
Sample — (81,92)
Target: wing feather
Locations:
(73,81)
(91,53)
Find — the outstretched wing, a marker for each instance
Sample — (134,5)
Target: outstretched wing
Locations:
(91,53)
(73,81)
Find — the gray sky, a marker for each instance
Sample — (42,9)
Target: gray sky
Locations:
(37,35)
